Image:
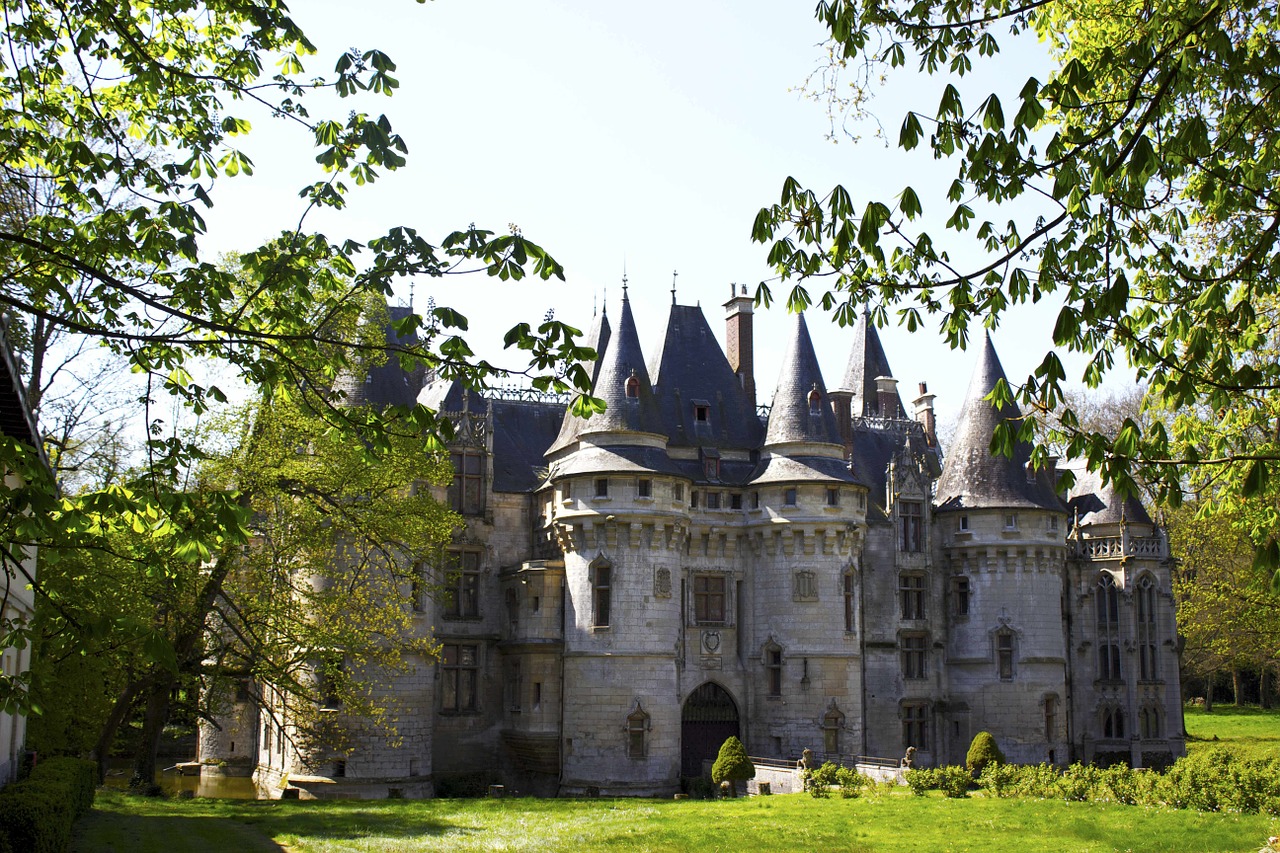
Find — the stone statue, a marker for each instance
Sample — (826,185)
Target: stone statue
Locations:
(909,760)
(806,760)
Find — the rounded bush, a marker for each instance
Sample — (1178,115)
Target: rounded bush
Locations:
(732,765)
(982,751)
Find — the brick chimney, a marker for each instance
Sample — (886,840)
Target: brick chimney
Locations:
(924,414)
(887,396)
(739,342)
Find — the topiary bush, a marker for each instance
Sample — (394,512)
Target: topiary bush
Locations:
(732,765)
(982,751)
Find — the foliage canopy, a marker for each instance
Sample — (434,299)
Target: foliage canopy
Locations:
(1135,184)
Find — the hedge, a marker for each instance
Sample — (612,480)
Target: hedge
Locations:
(37,814)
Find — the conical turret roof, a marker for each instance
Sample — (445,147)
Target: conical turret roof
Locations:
(974,478)
(598,340)
(621,360)
(867,362)
(801,411)
(1095,502)
(385,384)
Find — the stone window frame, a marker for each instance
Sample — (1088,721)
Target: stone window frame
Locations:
(638,725)
(791,496)
(913,648)
(602,578)
(1107,612)
(1150,721)
(911,526)
(644,488)
(915,715)
(466,492)
(1111,722)
(601,487)
(832,723)
(704,599)
(833,496)
(961,596)
(913,597)
(459,677)
(1144,599)
(462,585)
(513,685)
(849,597)
(772,658)
(1050,705)
(1005,643)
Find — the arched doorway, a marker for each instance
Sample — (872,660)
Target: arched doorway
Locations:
(709,717)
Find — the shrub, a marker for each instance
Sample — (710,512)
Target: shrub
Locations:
(954,782)
(999,779)
(982,752)
(732,765)
(36,815)
(920,781)
(818,780)
(1079,782)
(851,782)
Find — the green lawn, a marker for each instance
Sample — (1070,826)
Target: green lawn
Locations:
(895,822)
(1246,730)
(882,823)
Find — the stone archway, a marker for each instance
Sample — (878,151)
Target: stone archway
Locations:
(709,717)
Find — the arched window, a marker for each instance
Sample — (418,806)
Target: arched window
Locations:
(1148,641)
(1146,599)
(1149,721)
(1112,723)
(637,732)
(815,401)
(773,668)
(1108,602)
(601,592)
(633,386)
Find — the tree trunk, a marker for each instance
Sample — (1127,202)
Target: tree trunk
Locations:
(107,735)
(156,715)
(1237,687)
(1265,688)
(1208,692)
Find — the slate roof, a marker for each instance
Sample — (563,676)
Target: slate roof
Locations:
(972,477)
(791,419)
(450,395)
(1094,503)
(689,368)
(809,469)
(621,359)
(522,432)
(867,361)
(16,418)
(625,459)
(874,449)
(386,384)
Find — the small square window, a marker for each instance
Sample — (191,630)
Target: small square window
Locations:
(789,497)
(602,487)
(693,499)
(735,501)
(713,500)
(755,500)
(677,492)
(1053,522)
(1010,521)
(962,523)
(701,414)
(833,497)
(644,488)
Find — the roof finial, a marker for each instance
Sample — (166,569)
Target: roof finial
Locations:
(624,285)
(410,297)
(674,273)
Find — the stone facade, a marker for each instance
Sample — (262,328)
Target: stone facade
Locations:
(630,589)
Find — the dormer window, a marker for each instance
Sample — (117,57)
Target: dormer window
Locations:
(701,412)
(633,386)
(815,401)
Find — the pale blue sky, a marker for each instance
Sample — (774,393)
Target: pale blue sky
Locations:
(640,133)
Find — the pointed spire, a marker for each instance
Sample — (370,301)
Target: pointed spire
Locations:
(801,408)
(622,381)
(867,362)
(974,478)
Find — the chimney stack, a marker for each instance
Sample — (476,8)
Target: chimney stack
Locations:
(739,342)
(924,414)
(887,397)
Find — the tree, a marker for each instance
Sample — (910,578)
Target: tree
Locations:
(120,122)
(1135,183)
(732,765)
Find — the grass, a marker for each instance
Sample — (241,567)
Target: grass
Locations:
(883,823)
(1247,731)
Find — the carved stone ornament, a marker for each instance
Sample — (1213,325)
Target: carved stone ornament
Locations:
(711,642)
(662,583)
